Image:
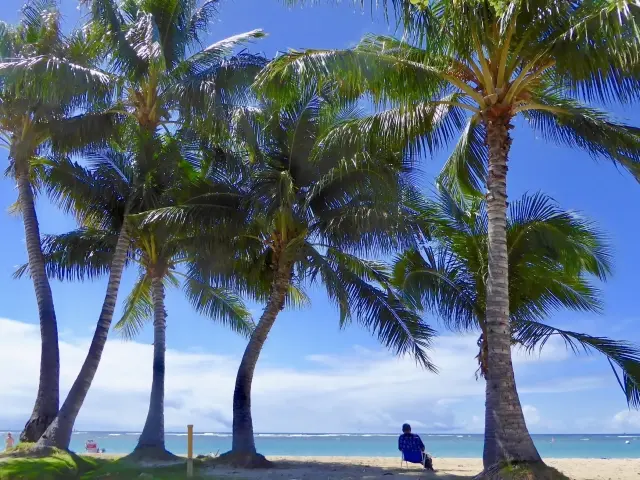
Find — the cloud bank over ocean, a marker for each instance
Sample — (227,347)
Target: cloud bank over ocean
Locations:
(359,390)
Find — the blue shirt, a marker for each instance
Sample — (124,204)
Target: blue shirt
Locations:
(408,442)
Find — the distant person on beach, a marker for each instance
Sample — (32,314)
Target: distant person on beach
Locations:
(91,447)
(9,442)
(412,448)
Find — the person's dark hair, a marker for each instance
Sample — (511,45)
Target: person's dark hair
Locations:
(406,428)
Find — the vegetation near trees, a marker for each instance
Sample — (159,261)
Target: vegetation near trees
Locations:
(469,68)
(212,170)
(33,124)
(160,78)
(314,219)
(128,182)
(551,253)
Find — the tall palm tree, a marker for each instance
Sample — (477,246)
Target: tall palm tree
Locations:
(30,125)
(162,254)
(163,79)
(470,68)
(313,219)
(551,254)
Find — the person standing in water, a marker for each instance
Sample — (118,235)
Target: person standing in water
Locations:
(9,442)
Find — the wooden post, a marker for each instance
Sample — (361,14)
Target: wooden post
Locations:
(189,451)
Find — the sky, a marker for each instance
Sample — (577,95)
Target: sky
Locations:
(313,377)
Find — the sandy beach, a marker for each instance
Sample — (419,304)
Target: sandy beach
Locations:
(371,468)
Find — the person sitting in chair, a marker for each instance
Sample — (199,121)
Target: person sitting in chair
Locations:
(412,448)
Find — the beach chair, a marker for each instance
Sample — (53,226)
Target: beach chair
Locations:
(412,456)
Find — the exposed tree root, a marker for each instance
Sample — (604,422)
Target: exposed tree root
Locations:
(521,471)
(243,460)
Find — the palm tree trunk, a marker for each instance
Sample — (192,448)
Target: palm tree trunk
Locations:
(506,435)
(48,398)
(59,432)
(243,443)
(151,440)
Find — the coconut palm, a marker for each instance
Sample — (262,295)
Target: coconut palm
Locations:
(117,184)
(313,219)
(163,80)
(551,254)
(469,68)
(30,125)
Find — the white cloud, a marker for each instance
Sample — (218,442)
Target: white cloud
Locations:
(531,415)
(626,420)
(360,390)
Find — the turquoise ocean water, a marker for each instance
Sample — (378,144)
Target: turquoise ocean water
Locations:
(371,445)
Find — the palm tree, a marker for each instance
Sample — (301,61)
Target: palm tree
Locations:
(469,68)
(125,185)
(30,125)
(313,219)
(551,253)
(163,81)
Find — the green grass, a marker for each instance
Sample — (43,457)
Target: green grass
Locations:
(536,471)
(117,469)
(23,464)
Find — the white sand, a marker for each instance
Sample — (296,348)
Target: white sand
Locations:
(371,468)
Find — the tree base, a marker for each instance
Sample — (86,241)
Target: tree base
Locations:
(35,427)
(521,471)
(152,457)
(242,460)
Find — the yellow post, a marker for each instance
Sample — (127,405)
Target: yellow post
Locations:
(189,451)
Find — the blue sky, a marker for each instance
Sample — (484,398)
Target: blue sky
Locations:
(313,377)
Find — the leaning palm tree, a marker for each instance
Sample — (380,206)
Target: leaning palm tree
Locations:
(162,254)
(551,255)
(313,221)
(163,79)
(469,68)
(30,125)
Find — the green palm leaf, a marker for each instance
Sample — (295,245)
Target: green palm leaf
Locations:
(138,309)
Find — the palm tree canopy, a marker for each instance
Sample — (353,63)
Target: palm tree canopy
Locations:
(129,184)
(463,63)
(68,114)
(552,255)
(162,67)
(324,210)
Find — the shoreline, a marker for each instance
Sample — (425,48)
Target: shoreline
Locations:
(379,468)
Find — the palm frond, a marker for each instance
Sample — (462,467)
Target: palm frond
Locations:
(377,308)
(138,309)
(534,335)
(569,123)
(465,171)
(219,304)
(83,254)
(435,281)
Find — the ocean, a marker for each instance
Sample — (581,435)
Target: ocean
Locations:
(369,445)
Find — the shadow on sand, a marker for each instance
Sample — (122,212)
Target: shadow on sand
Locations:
(325,470)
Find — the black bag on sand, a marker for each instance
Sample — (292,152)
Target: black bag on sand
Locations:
(428,462)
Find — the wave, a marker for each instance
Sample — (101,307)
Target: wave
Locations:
(133,433)
(115,434)
(628,436)
(79,433)
(585,439)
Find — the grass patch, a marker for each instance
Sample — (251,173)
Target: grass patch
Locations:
(26,464)
(530,471)
(120,470)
